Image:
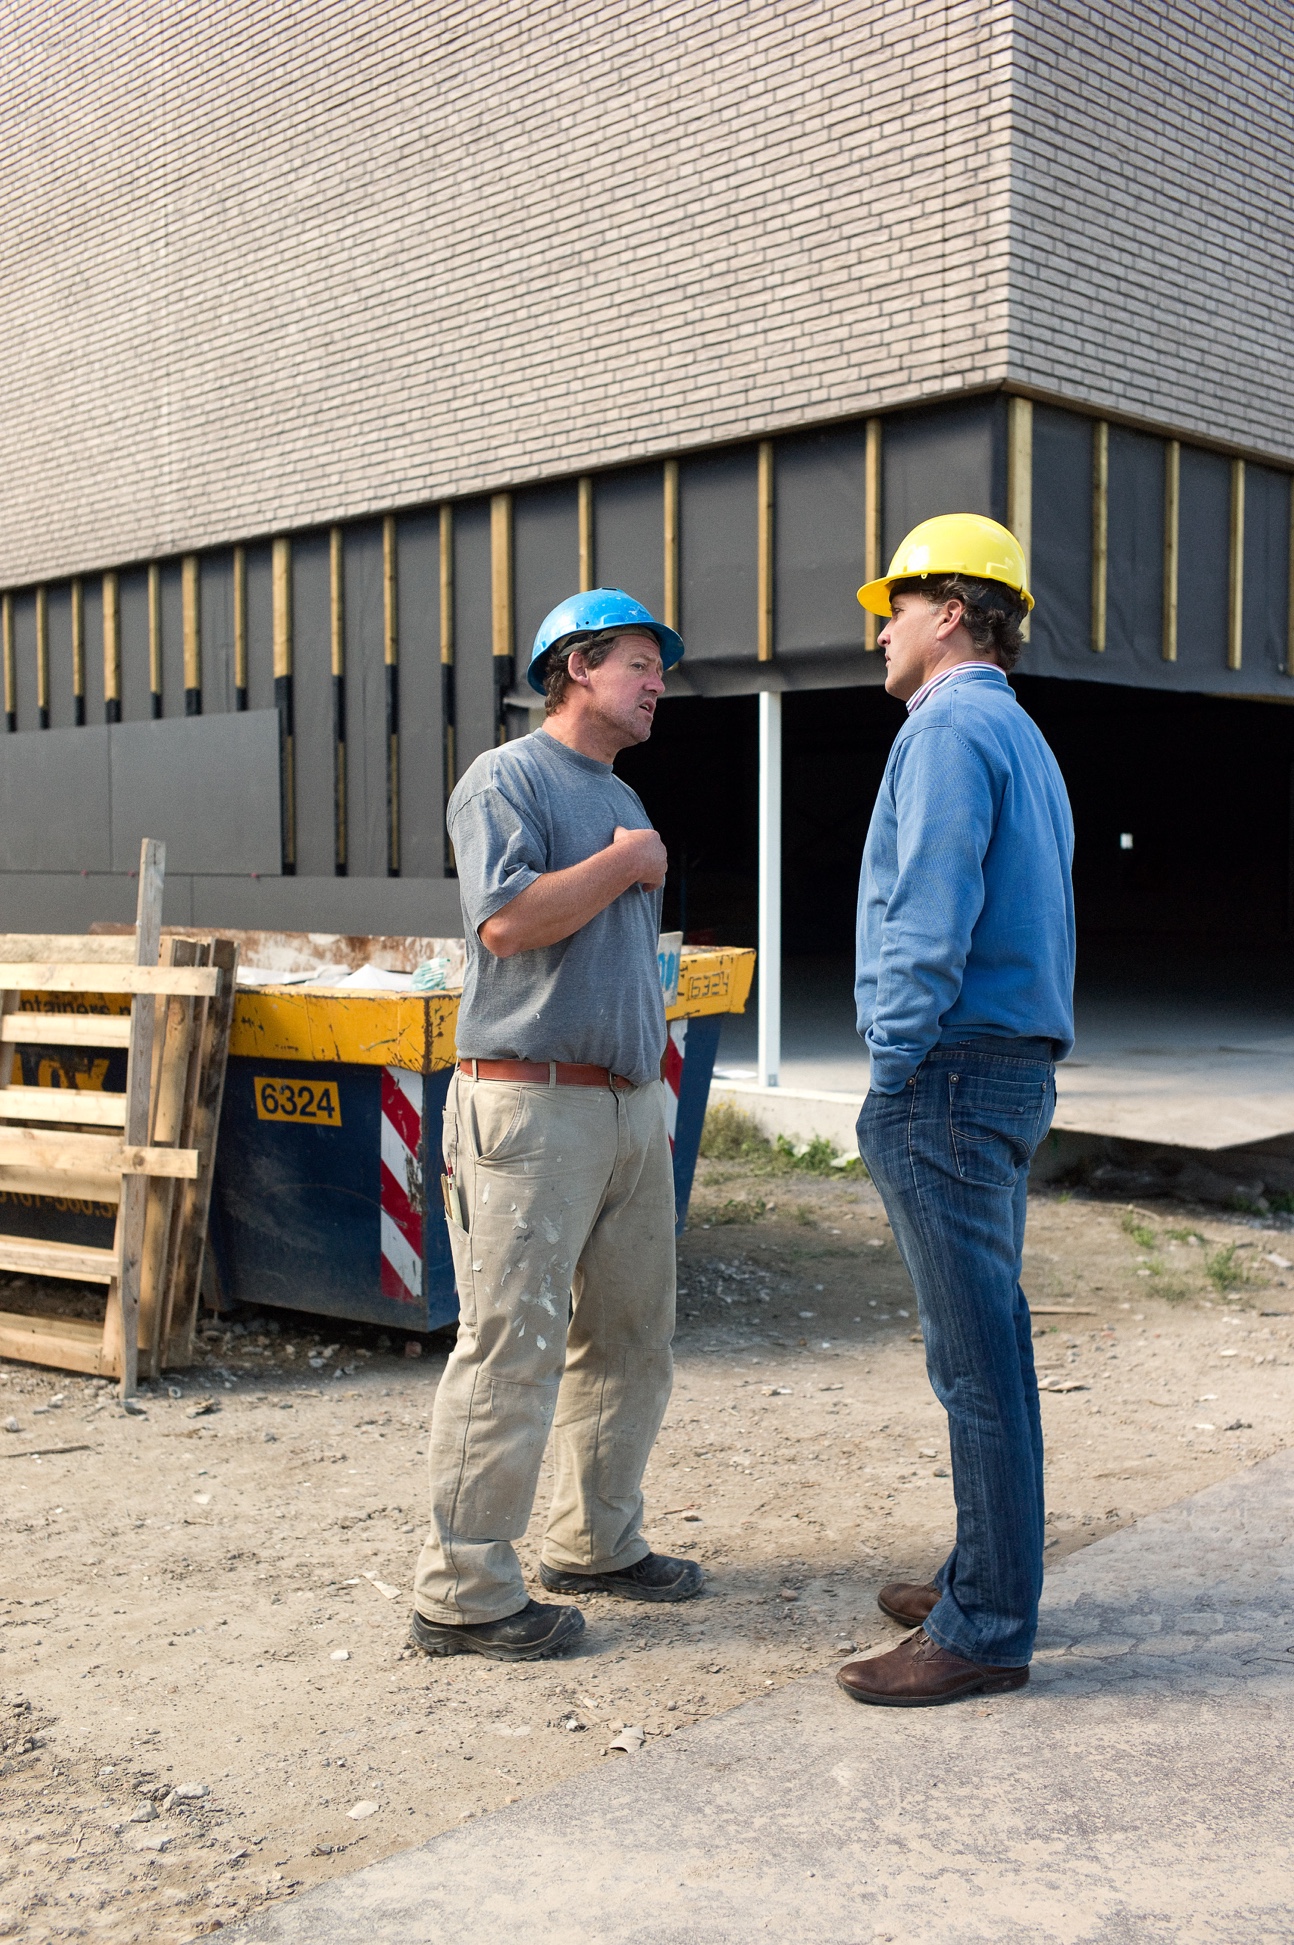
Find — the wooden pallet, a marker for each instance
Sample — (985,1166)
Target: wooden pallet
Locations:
(149,1151)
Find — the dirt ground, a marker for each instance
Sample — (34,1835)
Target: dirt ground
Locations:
(207,1698)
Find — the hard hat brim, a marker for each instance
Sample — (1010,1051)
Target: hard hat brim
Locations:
(671,646)
(875,595)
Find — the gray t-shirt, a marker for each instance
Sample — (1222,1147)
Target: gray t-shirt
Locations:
(523,809)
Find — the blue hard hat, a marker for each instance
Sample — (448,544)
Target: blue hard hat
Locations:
(591,614)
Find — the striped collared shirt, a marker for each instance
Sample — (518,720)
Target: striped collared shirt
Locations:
(927,689)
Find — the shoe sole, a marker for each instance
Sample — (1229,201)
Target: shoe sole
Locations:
(596,1584)
(458,1642)
(990,1685)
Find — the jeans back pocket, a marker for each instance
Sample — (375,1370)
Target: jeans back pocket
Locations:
(995,1123)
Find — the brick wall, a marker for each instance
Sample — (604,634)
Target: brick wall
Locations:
(1152,247)
(267,264)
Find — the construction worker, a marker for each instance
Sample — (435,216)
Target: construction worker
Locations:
(558,1177)
(964,987)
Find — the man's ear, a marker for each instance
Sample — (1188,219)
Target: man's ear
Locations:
(951,619)
(576,667)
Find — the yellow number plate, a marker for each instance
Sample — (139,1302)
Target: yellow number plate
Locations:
(314,1102)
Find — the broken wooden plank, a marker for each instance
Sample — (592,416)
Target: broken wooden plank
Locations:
(87,1105)
(36,1258)
(46,976)
(65,1029)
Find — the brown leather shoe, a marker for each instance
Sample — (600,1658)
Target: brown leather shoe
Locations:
(919,1673)
(909,1601)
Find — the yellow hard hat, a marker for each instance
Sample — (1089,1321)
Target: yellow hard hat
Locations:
(953,543)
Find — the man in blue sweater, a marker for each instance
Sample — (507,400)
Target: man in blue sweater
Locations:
(964,986)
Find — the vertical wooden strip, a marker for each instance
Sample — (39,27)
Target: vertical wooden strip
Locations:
(42,658)
(670,509)
(447,660)
(190,586)
(156,698)
(1172,507)
(281,595)
(78,654)
(202,1122)
(1100,530)
(1019,481)
(1289,594)
(585,498)
(764,559)
(139,1075)
(871,522)
(240,628)
(337,630)
(1236,587)
(501,602)
(172,1048)
(391,660)
(111,650)
(10,672)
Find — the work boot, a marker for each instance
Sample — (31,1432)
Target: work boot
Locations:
(908,1601)
(536,1633)
(919,1673)
(653,1578)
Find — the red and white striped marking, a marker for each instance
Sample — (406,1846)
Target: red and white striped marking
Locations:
(675,1049)
(401,1217)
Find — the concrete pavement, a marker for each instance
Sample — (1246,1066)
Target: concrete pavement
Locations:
(1137,1792)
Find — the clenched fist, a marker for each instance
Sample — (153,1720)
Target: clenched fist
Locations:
(646,854)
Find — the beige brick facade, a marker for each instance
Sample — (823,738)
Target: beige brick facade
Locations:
(268,265)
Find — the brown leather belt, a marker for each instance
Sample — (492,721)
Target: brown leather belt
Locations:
(546,1073)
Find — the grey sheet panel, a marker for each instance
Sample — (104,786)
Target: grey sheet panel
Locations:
(629,533)
(1267,563)
(24,657)
(62,694)
(545,560)
(718,555)
(92,597)
(207,785)
(818,536)
(422,748)
(366,765)
(172,605)
(1060,570)
(260,628)
(132,605)
(216,609)
(55,801)
(942,459)
(1134,593)
(312,704)
(473,638)
(418,906)
(33,901)
(1204,562)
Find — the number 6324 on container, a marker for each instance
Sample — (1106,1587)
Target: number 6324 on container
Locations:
(312,1103)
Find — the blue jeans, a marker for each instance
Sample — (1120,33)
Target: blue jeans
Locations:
(950,1156)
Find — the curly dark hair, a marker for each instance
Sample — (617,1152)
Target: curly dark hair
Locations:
(991,613)
(557,678)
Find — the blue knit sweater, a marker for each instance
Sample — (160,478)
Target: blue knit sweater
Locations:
(965,905)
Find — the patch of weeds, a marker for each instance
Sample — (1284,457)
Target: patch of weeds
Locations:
(1185,1236)
(805,1215)
(1224,1271)
(1281,1200)
(732,1135)
(736,1209)
(1141,1232)
(816,1157)
(1172,1292)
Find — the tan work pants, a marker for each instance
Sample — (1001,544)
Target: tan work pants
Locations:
(568,1195)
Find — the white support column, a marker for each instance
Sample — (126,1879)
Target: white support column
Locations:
(769,963)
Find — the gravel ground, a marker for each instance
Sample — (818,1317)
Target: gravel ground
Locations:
(207,1697)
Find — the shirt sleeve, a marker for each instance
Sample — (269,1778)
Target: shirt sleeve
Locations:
(498,850)
(946,809)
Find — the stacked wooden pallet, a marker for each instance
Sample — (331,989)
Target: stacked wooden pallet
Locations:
(150,1150)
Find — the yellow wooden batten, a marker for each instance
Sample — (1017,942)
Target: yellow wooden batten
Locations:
(416,1030)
